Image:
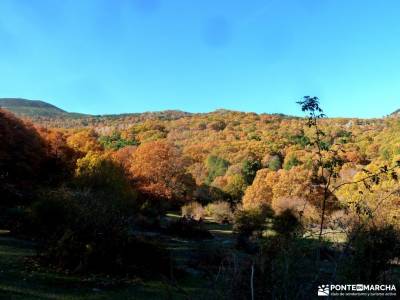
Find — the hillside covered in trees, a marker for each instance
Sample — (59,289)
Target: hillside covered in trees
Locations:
(300,196)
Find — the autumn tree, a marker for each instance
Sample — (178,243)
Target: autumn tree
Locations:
(260,193)
(61,158)
(159,170)
(84,141)
(99,172)
(22,154)
(328,160)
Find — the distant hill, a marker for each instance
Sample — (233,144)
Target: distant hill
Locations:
(31,108)
(39,111)
(396,113)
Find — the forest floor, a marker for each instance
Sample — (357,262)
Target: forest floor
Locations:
(21,278)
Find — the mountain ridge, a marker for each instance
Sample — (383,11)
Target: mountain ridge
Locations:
(38,108)
(26,107)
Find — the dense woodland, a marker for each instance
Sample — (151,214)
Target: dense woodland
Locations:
(310,200)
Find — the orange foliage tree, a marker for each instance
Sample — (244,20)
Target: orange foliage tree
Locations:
(260,192)
(159,170)
(61,158)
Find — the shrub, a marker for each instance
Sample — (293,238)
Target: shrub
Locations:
(220,211)
(50,215)
(202,126)
(86,231)
(287,224)
(217,125)
(250,220)
(373,250)
(93,224)
(205,194)
(17,220)
(284,269)
(121,254)
(150,211)
(301,208)
(193,210)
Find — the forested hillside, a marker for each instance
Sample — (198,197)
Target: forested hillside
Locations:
(298,196)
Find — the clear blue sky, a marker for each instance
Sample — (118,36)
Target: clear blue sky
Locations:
(103,56)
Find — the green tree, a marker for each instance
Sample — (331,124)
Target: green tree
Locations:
(249,169)
(216,166)
(291,162)
(275,163)
(115,141)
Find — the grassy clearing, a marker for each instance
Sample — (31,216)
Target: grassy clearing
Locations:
(217,230)
(20,281)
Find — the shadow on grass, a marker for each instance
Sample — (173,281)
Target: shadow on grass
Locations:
(19,280)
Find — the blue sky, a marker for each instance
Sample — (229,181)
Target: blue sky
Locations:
(102,56)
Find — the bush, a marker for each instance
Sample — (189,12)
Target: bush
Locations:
(188,228)
(217,125)
(205,194)
(373,250)
(96,238)
(51,214)
(91,224)
(250,220)
(86,231)
(284,269)
(287,224)
(220,211)
(121,254)
(150,212)
(193,210)
(17,219)
(87,227)
(300,207)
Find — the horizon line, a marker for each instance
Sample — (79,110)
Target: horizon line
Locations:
(193,113)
